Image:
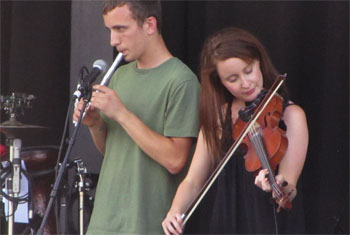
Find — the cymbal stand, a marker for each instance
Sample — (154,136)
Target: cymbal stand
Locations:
(81,172)
(63,166)
(14,105)
(13,182)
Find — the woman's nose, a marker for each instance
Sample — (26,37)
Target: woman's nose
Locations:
(245,82)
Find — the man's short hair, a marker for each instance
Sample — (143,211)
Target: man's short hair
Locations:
(140,9)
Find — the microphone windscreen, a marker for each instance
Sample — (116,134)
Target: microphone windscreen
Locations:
(101,65)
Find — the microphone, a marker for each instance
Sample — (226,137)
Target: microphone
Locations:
(16,164)
(104,81)
(99,66)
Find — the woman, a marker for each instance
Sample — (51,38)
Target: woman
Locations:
(235,68)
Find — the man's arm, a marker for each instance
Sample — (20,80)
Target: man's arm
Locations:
(170,152)
(98,133)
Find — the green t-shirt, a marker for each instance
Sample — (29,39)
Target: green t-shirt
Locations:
(134,192)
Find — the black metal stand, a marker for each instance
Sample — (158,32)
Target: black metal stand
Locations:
(63,166)
(63,209)
(13,181)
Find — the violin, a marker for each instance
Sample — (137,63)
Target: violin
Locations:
(266,142)
(260,117)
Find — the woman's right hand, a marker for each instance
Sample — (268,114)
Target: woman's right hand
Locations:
(172,224)
(91,117)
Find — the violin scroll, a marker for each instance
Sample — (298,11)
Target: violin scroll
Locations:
(245,114)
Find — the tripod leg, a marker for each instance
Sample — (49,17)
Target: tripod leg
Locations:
(10,217)
(81,212)
(63,211)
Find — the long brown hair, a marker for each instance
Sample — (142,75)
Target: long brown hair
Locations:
(222,45)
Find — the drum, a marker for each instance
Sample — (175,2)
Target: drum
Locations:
(40,163)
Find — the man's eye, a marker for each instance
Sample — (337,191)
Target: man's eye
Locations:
(120,29)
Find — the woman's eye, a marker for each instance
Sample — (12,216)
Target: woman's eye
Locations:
(248,70)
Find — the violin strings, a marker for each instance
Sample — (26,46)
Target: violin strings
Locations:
(257,141)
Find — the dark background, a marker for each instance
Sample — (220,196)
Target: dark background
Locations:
(308,40)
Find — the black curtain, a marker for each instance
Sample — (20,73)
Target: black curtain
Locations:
(308,40)
(35,59)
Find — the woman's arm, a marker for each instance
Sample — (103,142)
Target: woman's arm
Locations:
(199,171)
(293,161)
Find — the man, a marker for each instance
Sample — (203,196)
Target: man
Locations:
(147,125)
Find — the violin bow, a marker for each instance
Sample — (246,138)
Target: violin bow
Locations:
(194,204)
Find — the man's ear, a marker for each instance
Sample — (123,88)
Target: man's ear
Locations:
(150,25)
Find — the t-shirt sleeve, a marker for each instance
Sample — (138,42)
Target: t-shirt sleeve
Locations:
(182,114)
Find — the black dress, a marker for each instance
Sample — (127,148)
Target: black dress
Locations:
(234,205)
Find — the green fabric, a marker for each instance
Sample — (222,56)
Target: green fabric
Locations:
(134,192)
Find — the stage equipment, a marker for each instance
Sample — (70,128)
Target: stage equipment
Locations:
(105,80)
(86,98)
(14,105)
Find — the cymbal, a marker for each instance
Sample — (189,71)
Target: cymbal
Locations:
(14,124)
(14,128)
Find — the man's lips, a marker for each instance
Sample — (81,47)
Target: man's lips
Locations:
(122,51)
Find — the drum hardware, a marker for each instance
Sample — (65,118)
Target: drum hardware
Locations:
(86,98)
(80,184)
(62,202)
(15,103)
(12,175)
(62,168)
(40,162)
(13,129)
(81,197)
(14,106)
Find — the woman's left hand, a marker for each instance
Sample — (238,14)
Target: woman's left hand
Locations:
(261,180)
(289,190)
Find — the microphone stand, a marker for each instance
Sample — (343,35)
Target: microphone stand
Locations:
(13,181)
(63,166)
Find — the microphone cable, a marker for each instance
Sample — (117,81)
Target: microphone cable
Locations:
(5,173)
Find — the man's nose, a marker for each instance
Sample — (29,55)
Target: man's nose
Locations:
(115,39)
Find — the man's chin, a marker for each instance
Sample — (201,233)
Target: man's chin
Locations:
(128,58)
